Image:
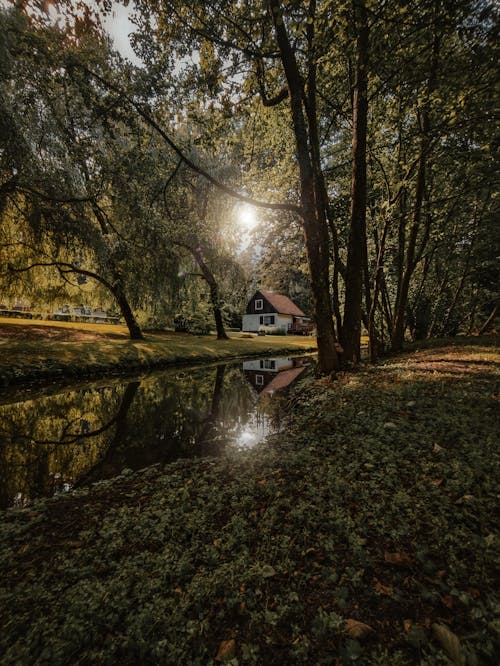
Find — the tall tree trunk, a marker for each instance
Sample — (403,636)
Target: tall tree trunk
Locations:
(372,335)
(399,325)
(356,252)
(338,269)
(214,294)
(311,195)
(412,257)
(126,310)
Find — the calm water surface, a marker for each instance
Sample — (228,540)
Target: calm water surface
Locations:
(58,439)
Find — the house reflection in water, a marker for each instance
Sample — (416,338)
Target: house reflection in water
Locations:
(269,375)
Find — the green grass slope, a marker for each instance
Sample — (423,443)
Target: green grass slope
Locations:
(43,357)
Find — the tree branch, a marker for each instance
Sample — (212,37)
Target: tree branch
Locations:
(147,117)
(61,266)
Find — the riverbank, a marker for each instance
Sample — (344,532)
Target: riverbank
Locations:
(34,351)
(365,530)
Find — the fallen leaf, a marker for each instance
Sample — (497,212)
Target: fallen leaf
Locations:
(380,588)
(450,643)
(226,651)
(407,625)
(262,482)
(400,559)
(72,544)
(437,448)
(465,499)
(357,630)
(447,600)
(437,482)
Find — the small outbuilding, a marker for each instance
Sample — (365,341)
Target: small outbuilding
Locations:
(267,309)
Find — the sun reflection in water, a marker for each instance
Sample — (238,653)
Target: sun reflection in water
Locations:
(247,439)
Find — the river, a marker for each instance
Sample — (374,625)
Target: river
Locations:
(53,439)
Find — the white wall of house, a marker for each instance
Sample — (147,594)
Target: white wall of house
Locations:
(269,364)
(251,322)
(283,321)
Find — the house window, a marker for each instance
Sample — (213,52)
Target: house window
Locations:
(270,365)
(262,320)
(259,380)
(269,320)
(259,304)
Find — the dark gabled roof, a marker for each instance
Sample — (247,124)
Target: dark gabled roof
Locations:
(282,304)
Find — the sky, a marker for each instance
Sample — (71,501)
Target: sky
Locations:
(117,24)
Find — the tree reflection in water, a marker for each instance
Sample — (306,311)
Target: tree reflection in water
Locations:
(54,442)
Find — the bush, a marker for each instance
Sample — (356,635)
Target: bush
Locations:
(272,330)
(196,324)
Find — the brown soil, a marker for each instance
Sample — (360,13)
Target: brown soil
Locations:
(451,360)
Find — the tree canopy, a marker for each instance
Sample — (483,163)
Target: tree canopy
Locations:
(364,133)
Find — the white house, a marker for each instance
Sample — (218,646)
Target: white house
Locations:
(268,375)
(266,308)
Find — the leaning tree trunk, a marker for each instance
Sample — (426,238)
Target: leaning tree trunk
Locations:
(107,465)
(126,310)
(205,440)
(490,320)
(351,326)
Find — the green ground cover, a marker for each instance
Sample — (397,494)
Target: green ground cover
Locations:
(105,348)
(364,532)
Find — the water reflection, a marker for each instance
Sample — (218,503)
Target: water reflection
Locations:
(268,375)
(51,443)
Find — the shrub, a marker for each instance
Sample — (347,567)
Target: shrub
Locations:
(272,330)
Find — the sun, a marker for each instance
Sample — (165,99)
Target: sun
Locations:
(247,217)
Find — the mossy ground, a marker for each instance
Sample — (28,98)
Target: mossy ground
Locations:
(376,504)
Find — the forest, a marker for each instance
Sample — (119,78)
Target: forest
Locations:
(174,488)
(359,136)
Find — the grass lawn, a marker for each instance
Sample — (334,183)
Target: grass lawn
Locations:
(365,532)
(34,350)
